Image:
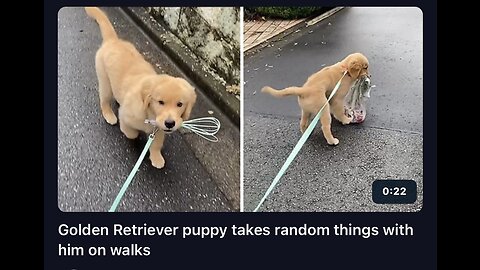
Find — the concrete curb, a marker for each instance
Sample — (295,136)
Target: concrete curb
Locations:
(323,16)
(188,62)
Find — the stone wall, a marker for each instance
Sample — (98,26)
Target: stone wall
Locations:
(212,33)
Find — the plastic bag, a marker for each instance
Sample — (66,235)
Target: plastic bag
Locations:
(355,99)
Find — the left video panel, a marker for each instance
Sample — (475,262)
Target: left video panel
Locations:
(159,82)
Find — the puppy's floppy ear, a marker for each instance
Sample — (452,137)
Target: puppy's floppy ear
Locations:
(146,92)
(192,98)
(354,68)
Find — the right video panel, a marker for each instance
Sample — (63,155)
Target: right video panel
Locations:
(333,109)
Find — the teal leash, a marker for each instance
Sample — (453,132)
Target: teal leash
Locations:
(205,127)
(133,172)
(298,146)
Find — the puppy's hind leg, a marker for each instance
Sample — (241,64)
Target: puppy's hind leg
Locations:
(305,120)
(105,92)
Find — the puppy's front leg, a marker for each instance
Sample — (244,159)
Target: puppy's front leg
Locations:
(155,154)
(338,111)
(326,121)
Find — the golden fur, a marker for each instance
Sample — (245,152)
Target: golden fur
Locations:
(314,93)
(142,94)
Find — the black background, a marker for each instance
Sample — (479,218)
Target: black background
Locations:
(325,252)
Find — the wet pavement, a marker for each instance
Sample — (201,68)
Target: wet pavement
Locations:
(94,158)
(388,145)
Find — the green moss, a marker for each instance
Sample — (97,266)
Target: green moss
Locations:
(281,12)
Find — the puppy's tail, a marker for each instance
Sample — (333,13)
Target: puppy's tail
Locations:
(289,91)
(105,25)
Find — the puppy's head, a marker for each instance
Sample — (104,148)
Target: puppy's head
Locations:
(357,65)
(171,100)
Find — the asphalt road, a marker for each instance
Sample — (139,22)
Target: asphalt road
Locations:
(94,158)
(388,145)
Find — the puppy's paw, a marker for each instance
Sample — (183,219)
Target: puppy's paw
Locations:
(303,128)
(333,142)
(110,118)
(129,133)
(157,161)
(347,120)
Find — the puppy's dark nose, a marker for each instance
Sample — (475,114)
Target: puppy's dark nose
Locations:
(169,123)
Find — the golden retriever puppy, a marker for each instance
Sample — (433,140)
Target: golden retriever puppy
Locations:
(314,93)
(142,94)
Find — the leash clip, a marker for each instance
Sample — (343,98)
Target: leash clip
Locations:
(152,135)
(155,129)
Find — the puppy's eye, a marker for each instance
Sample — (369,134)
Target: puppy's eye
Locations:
(161,102)
(179,104)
